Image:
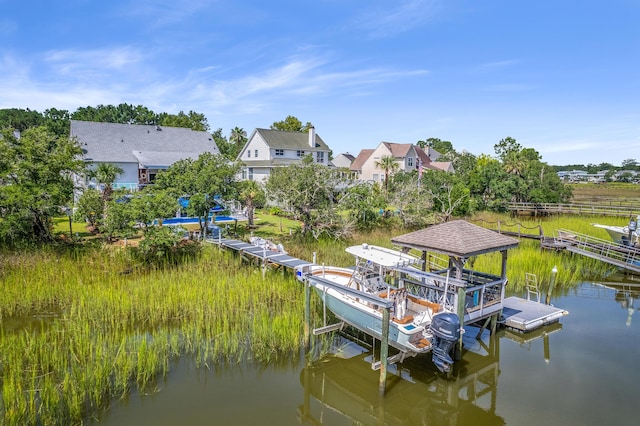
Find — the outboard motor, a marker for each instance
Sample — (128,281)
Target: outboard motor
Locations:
(445,327)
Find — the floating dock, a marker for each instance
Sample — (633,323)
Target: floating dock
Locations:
(527,315)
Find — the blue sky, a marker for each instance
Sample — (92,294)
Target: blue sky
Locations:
(562,77)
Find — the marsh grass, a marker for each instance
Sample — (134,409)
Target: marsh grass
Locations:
(82,325)
(118,326)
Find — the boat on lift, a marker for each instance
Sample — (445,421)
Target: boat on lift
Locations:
(625,235)
(418,323)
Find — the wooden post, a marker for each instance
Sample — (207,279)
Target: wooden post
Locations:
(307,315)
(460,311)
(384,352)
(552,282)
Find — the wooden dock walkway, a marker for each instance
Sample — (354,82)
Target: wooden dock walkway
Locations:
(625,257)
(610,209)
(262,254)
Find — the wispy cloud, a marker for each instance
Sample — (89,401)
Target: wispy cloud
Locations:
(497,64)
(386,19)
(160,13)
(78,63)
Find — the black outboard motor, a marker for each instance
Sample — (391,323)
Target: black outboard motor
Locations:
(445,327)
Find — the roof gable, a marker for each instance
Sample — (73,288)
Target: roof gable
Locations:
(290,140)
(362,158)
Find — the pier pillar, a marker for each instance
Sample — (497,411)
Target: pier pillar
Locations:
(460,311)
(552,282)
(307,315)
(384,352)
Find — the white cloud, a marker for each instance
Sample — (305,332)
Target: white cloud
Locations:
(391,18)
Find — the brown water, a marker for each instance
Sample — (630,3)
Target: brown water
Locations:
(582,371)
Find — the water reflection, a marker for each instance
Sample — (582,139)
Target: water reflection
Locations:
(345,391)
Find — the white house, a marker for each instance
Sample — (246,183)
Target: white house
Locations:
(343,160)
(266,149)
(140,150)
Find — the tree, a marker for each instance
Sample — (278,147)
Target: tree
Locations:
(449,195)
(19,119)
(291,124)
(193,121)
(105,175)
(389,165)
(629,164)
(439,145)
(363,201)
(308,191)
(201,180)
(58,121)
(251,193)
(411,200)
(90,207)
(36,179)
(238,138)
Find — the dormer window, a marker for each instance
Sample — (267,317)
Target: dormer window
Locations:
(300,153)
(279,152)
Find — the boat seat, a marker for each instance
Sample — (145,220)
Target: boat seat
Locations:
(406,320)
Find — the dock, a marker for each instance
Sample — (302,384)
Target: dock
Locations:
(527,315)
(261,254)
(518,314)
(622,256)
(601,209)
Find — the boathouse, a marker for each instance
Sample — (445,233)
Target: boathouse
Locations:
(473,295)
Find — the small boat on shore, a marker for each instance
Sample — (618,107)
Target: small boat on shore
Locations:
(357,296)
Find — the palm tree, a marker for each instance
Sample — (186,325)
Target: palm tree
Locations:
(105,174)
(238,137)
(390,166)
(251,192)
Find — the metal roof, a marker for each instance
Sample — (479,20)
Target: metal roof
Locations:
(457,238)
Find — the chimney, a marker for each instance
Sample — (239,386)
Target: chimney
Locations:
(312,137)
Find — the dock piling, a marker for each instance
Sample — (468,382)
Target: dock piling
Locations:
(552,282)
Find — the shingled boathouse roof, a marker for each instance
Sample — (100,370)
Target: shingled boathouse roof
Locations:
(459,240)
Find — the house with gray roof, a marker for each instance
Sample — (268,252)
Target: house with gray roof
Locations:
(267,148)
(343,161)
(141,151)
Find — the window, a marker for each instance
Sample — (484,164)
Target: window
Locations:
(319,157)
(256,153)
(248,153)
(410,161)
(279,152)
(300,153)
(250,173)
